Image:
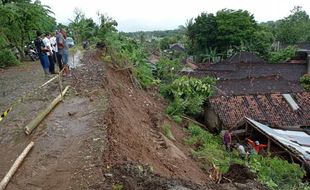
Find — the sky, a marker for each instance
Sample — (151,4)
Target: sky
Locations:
(145,15)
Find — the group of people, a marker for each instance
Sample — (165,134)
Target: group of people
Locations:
(53,48)
(254,147)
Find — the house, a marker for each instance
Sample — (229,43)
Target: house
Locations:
(286,111)
(290,144)
(177,47)
(247,86)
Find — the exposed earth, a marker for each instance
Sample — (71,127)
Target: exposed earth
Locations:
(106,134)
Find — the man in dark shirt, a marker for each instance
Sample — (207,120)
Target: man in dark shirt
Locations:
(38,42)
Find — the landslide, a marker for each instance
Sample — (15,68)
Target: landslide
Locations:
(135,119)
(137,154)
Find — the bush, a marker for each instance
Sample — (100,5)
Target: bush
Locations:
(144,74)
(209,148)
(7,58)
(123,52)
(187,95)
(305,81)
(282,55)
(177,119)
(167,70)
(277,173)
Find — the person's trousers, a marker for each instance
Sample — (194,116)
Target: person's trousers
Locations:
(59,61)
(54,57)
(45,63)
(52,64)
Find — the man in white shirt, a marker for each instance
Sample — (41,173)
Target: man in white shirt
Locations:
(47,43)
(241,151)
(54,46)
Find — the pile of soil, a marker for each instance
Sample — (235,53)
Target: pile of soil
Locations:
(137,155)
(134,122)
(238,173)
(136,177)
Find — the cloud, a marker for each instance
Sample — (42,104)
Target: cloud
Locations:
(135,15)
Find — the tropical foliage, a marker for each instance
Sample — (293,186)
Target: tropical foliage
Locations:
(228,29)
(305,81)
(20,20)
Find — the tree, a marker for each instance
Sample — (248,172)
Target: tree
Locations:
(227,31)
(203,32)
(294,28)
(20,19)
(107,25)
(82,28)
(234,27)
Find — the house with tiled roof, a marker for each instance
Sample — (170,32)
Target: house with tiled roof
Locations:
(247,86)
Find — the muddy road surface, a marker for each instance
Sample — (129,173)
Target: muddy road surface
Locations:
(68,143)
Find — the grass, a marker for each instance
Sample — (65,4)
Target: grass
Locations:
(209,149)
(167,131)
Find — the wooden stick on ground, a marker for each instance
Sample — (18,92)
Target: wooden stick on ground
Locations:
(36,121)
(196,122)
(15,166)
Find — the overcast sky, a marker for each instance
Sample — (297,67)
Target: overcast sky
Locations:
(137,15)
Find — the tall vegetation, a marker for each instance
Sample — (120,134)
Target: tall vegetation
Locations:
(292,29)
(20,19)
(227,30)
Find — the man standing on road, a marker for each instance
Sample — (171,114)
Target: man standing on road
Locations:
(38,42)
(65,54)
(47,43)
(54,46)
(60,45)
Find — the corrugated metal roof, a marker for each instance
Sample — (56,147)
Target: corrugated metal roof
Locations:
(299,137)
(290,139)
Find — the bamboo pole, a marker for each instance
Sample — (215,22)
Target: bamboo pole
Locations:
(36,121)
(49,81)
(15,166)
(196,122)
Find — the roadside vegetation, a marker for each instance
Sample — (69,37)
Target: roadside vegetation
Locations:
(19,21)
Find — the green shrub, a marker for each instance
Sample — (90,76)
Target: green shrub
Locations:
(282,55)
(187,95)
(277,173)
(144,74)
(167,70)
(209,148)
(305,82)
(123,52)
(7,58)
(177,119)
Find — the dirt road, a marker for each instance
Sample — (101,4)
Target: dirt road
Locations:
(68,143)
